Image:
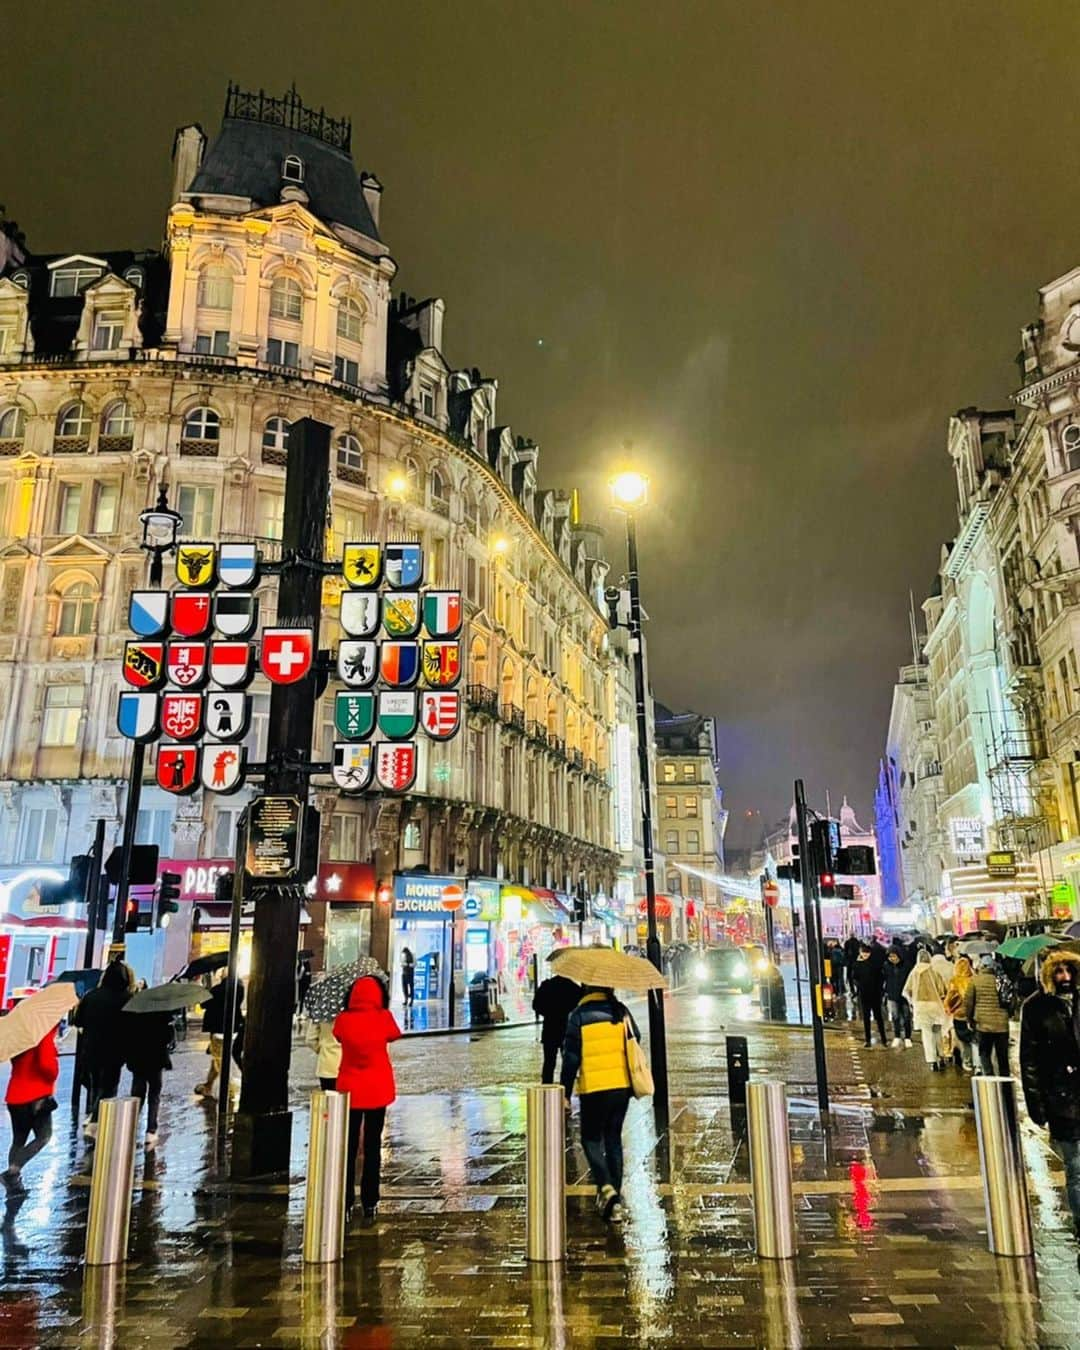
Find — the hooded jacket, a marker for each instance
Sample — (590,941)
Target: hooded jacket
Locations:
(1050,1052)
(866,974)
(895,974)
(925,991)
(100,1015)
(594,1052)
(365,1029)
(555,1000)
(34,1072)
(982,1007)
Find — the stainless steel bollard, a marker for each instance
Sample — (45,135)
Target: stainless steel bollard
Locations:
(1008,1219)
(112,1182)
(770,1170)
(545,1173)
(324,1205)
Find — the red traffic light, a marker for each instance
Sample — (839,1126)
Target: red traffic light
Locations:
(827,879)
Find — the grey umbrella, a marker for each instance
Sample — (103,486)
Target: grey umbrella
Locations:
(167,998)
(327,995)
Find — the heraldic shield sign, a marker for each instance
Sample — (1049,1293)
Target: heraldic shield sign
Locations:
(354,715)
(226,715)
(190,611)
(286,654)
(401,613)
(440,713)
(443,613)
(186,664)
(395,765)
(397,713)
(223,767)
(178,768)
(361,565)
(442,663)
(144,664)
(231,664)
(238,565)
(137,716)
(352,766)
(357,663)
(404,566)
(181,716)
(195,564)
(399,663)
(148,613)
(235,613)
(359,613)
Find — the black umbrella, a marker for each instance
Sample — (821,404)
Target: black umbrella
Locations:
(203,965)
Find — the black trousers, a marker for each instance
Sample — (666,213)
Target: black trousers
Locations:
(147,1087)
(104,1082)
(602,1116)
(365,1131)
(551,1054)
(994,1044)
(871,1006)
(408,982)
(29,1118)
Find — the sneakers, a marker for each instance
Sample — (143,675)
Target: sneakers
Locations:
(896,1043)
(150,1142)
(369,1217)
(607,1197)
(13,1182)
(907,1042)
(90,1130)
(616,1214)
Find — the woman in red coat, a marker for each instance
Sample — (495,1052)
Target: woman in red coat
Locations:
(30,1105)
(365,1029)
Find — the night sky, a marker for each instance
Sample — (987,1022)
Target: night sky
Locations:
(771,245)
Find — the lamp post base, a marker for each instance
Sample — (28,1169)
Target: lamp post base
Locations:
(261,1144)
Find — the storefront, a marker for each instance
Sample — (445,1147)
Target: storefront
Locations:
(341,900)
(37,942)
(975,894)
(479,954)
(422,922)
(533,922)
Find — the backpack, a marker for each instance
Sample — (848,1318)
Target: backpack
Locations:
(1007,993)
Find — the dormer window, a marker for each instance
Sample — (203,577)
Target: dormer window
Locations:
(292,169)
(108,331)
(72,280)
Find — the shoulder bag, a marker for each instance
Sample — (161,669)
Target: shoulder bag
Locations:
(641,1079)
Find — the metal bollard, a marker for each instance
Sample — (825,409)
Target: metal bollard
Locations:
(324,1201)
(113,1180)
(1008,1219)
(770,1170)
(545,1173)
(738,1068)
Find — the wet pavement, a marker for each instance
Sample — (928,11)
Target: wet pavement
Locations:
(892,1241)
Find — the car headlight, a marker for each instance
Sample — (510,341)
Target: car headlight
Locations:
(739,969)
(761,964)
(701,970)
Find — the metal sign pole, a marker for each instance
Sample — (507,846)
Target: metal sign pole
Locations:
(813,958)
(235,915)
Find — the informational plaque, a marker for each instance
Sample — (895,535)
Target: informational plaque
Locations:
(273,838)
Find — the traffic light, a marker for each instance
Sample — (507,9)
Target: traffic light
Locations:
(73,890)
(579,903)
(788,872)
(824,844)
(143,869)
(827,885)
(131,917)
(168,895)
(857,860)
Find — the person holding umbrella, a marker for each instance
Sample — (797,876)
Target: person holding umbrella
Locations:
(150,1038)
(98,1019)
(28,1040)
(214,1026)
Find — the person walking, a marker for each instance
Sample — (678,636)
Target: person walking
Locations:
(30,1104)
(1050,1064)
(365,1029)
(214,1026)
(408,976)
(983,1010)
(150,1039)
(925,991)
(303,983)
(554,1001)
(594,1059)
(895,976)
(100,1019)
(837,964)
(866,976)
(955,992)
(320,1037)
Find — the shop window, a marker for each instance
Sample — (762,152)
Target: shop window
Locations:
(411,836)
(63,712)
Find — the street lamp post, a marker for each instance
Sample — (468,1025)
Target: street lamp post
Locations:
(160,527)
(630,491)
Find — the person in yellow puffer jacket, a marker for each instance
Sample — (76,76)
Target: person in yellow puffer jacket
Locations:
(594,1057)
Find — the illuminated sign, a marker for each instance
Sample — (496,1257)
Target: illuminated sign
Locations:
(1001,864)
(624,788)
(968,835)
(420,896)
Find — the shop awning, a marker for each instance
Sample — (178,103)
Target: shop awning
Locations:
(555,900)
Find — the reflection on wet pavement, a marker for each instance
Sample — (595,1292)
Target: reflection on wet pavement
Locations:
(892,1245)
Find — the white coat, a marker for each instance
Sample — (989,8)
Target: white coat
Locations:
(320,1037)
(925,991)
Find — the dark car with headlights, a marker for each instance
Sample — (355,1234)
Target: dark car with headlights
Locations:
(721,968)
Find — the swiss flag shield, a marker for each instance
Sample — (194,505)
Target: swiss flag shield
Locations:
(286,654)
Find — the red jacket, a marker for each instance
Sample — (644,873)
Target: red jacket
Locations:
(365,1029)
(34,1072)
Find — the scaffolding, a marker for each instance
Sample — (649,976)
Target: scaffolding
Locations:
(1022,824)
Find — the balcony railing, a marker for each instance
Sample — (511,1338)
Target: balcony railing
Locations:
(71,445)
(11,446)
(115,445)
(576,759)
(557,746)
(357,477)
(279,458)
(199,449)
(536,732)
(482,699)
(512,715)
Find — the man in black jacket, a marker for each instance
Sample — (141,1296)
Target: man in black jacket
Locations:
(554,1001)
(1050,1064)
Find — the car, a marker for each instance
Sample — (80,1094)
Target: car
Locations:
(757,958)
(723,968)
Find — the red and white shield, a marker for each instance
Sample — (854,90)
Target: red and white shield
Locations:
(186,664)
(190,613)
(223,767)
(178,768)
(230,664)
(285,654)
(181,716)
(395,765)
(440,713)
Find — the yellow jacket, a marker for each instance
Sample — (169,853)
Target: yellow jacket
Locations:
(594,1051)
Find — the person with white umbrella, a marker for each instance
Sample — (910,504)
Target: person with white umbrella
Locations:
(28,1040)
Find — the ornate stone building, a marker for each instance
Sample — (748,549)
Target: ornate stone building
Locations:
(123,372)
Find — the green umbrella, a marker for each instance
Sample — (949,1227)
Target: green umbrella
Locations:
(1022,947)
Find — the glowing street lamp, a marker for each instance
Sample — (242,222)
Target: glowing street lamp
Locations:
(629,490)
(397,484)
(160,526)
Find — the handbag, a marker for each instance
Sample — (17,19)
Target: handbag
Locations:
(641,1079)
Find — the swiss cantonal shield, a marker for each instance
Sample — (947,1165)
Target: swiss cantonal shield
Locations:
(358,663)
(401,613)
(440,713)
(178,768)
(181,716)
(223,767)
(231,664)
(190,612)
(442,663)
(137,715)
(238,564)
(359,613)
(352,766)
(397,713)
(226,714)
(395,765)
(399,663)
(144,664)
(195,564)
(443,613)
(235,613)
(404,566)
(186,664)
(354,715)
(148,613)
(361,565)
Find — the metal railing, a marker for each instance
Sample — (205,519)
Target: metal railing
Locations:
(199,449)
(513,716)
(482,699)
(537,732)
(71,445)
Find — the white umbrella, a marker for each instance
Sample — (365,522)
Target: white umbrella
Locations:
(605,968)
(33,1018)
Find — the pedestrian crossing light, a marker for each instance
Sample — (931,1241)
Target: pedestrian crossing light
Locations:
(168,895)
(131,917)
(828,886)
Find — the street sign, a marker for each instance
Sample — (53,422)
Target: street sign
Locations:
(273,838)
(452,898)
(143,869)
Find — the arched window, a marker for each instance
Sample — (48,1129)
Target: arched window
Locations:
(292,169)
(478,660)
(12,424)
(412,473)
(506,684)
(216,287)
(350,319)
(74,420)
(286,299)
(118,420)
(202,424)
(78,606)
(350,454)
(532,700)
(552,716)
(471,513)
(439,494)
(276,435)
